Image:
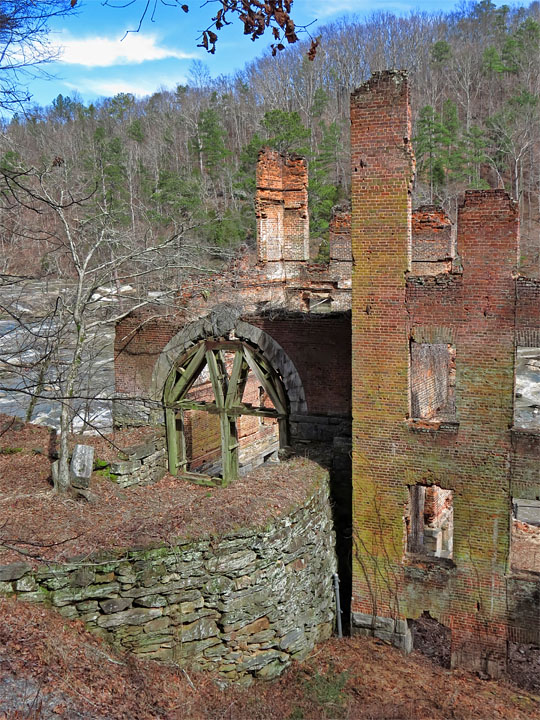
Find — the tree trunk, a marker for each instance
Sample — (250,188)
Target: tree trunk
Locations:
(64,480)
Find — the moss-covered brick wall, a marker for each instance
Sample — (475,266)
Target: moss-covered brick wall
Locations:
(244,604)
(382,170)
(473,309)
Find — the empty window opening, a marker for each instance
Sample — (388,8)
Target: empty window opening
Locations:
(527,393)
(320,304)
(226,412)
(430,521)
(525,535)
(432,639)
(433,380)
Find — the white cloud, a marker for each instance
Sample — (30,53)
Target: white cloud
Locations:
(323,9)
(100,51)
(108,87)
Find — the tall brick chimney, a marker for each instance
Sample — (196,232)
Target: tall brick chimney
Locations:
(281,208)
(382,173)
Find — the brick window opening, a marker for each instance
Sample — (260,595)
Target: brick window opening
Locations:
(525,535)
(527,392)
(432,381)
(320,303)
(430,521)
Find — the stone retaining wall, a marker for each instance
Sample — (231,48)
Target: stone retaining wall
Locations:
(142,464)
(245,604)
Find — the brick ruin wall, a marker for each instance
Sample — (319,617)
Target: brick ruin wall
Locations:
(437,311)
(478,307)
(328,403)
(281,210)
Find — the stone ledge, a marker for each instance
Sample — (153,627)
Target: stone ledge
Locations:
(392,630)
(432,426)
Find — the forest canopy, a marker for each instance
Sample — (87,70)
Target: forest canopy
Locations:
(186,157)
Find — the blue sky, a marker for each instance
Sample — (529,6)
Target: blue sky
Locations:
(96,61)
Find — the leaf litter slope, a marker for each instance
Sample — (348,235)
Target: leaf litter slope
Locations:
(59,670)
(54,668)
(45,526)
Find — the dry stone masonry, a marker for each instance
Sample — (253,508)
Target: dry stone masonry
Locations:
(141,464)
(244,604)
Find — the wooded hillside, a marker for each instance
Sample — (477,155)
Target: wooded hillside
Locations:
(183,162)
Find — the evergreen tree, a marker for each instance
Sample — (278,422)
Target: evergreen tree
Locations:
(286,132)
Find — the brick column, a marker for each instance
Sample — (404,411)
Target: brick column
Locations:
(382,172)
(339,237)
(282,213)
(488,247)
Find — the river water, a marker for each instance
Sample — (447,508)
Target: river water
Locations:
(22,344)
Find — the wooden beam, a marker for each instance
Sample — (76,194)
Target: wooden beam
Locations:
(197,405)
(276,381)
(257,412)
(181,442)
(215,378)
(234,382)
(201,479)
(192,370)
(172,445)
(229,449)
(223,344)
(264,377)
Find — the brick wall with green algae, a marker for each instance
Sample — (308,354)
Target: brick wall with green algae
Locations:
(390,452)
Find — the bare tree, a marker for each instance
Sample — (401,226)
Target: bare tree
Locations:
(24,44)
(97,259)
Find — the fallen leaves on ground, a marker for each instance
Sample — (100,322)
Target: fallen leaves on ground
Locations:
(72,674)
(51,527)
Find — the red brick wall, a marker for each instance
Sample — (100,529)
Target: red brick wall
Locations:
(320,348)
(432,241)
(382,170)
(475,313)
(339,235)
(138,343)
(431,234)
(281,207)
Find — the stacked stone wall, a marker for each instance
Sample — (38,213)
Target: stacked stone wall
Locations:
(244,604)
(141,464)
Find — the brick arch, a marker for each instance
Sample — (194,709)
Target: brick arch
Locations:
(224,321)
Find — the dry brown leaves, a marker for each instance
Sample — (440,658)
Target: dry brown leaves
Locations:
(350,678)
(48,527)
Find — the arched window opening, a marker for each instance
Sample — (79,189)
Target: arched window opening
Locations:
(226,411)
